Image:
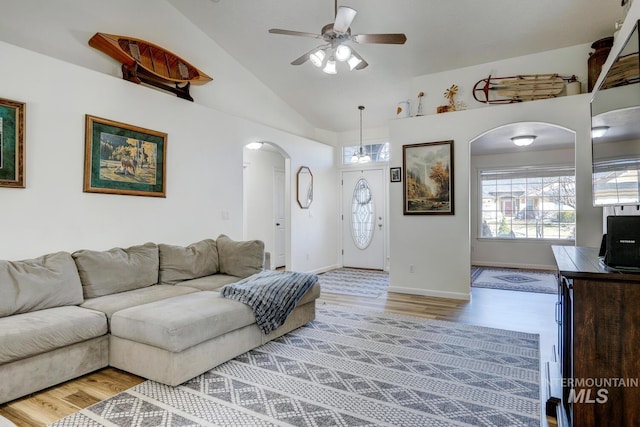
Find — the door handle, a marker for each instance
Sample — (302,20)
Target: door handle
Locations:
(277,224)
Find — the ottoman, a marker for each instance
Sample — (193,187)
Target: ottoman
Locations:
(178,338)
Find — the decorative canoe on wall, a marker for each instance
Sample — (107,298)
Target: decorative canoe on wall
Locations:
(145,62)
(506,90)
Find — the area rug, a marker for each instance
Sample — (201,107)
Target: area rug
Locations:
(350,367)
(353,281)
(514,280)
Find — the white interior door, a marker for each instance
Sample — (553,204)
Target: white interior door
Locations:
(279,216)
(363,211)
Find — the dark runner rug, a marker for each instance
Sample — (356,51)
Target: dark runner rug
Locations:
(514,280)
(350,367)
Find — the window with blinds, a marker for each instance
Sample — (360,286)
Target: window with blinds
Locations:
(528,203)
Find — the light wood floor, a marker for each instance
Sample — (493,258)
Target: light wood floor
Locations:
(521,311)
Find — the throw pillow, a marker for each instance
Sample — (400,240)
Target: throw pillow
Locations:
(117,270)
(240,259)
(179,263)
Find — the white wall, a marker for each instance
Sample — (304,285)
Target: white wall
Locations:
(439,246)
(516,254)
(204,167)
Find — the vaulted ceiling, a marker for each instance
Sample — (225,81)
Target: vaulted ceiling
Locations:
(442,35)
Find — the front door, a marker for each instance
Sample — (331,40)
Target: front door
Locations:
(363,211)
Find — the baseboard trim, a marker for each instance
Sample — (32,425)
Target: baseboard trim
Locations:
(431,293)
(510,265)
(325,269)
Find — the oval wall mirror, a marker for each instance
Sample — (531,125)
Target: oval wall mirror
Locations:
(305,187)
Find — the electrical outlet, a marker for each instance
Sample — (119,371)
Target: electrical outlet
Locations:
(308,257)
(411,269)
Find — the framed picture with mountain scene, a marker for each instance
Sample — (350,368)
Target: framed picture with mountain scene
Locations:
(124,159)
(12,117)
(428,178)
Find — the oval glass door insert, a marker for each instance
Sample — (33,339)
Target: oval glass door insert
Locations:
(362,214)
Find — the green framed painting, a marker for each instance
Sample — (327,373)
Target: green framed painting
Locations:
(12,117)
(124,159)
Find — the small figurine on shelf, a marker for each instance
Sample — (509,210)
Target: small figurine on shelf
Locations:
(419,111)
(453,104)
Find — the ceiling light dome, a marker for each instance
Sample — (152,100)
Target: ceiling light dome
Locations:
(523,140)
(254,145)
(343,52)
(599,131)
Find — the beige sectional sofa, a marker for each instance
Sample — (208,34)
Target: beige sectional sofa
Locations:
(152,309)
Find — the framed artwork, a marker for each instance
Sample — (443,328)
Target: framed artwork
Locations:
(124,159)
(428,178)
(12,117)
(396,174)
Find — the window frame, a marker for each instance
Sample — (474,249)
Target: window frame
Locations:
(525,173)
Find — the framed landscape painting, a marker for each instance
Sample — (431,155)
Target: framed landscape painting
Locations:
(124,159)
(428,178)
(12,117)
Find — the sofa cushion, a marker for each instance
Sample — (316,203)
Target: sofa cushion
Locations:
(175,324)
(35,284)
(117,270)
(241,259)
(109,304)
(210,283)
(28,334)
(178,263)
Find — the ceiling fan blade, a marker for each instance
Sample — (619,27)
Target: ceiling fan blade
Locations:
(380,38)
(294,33)
(344,18)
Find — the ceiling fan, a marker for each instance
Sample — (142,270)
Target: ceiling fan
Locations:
(338,41)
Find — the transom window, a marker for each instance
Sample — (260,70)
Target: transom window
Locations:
(378,152)
(528,203)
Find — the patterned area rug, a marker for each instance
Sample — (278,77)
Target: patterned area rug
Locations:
(353,281)
(514,280)
(350,367)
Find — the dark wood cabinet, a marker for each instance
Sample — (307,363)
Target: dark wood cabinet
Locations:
(599,340)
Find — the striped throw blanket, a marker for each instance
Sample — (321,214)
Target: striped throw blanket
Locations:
(272,295)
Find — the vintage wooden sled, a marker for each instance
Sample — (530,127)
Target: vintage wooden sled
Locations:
(145,62)
(527,87)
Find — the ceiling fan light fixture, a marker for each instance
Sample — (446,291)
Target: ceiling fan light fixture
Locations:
(343,52)
(317,57)
(523,140)
(330,66)
(353,62)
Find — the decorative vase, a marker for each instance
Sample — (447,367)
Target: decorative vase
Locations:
(597,59)
(403,110)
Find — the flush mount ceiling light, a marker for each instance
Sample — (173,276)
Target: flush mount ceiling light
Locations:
(254,145)
(361,155)
(338,42)
(599,131)
(523,140)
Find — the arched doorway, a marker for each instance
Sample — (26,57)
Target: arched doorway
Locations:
(266,200)
(520,196)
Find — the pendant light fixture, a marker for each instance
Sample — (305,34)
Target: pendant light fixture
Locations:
(360,156)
